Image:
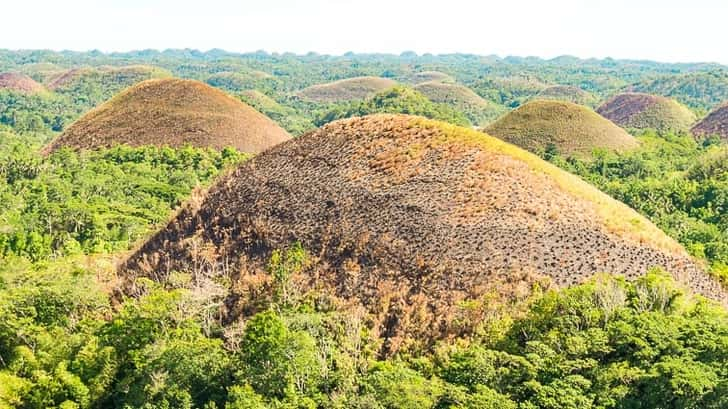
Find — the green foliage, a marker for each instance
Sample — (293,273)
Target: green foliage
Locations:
(397,100)
(96,201)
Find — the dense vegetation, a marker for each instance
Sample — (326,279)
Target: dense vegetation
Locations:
(68,339)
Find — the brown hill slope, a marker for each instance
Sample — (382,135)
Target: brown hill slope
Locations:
(568,93)
(642,111)
(19,82)
(409,218)
(172,112)
(429,76)
(715,124)
(573,129)
(347,90)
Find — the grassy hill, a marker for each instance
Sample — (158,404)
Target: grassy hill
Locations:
(643,111)
(20,83)
(715,124)
(479,111)
(700,90)
(347,89)
(571,129)
(568,93)
(172,112)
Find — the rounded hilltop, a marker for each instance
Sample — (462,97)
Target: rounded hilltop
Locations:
(478,110)
(429,76)
(568,93)
(172,112)
(644,111)
(574,130)
(18,82)
(715,124)
(106,77)
(347,89)
(409,218)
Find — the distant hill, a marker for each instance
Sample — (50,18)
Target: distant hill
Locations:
(20,83)
(409,219)
(715,124)
(90,86)
(172,112)
(347,89)
(568,93)
(238,81)
(571,129)
(644,111)
(703,90)
(429,76)
(396,100)
(478,110)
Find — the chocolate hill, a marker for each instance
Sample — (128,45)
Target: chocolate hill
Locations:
(347,90)
(408,218)
(478,110)
(715,124)
(568,93)
(573,129)
(172,112)
(643,111)
(20,83)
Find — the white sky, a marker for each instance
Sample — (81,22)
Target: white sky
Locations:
(663,30)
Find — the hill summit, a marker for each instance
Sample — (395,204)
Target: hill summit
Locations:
(715,124)
(408,218)
(572,129)
(20,83)
(568,93)
(643,111)
(172,112)
(347,89)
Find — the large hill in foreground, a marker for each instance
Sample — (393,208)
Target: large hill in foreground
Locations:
(172,112)
(409,218)
(644,111)
(572,129)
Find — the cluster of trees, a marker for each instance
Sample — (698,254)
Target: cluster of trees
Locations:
(397,100)
(95,202)
(682,186)
(604,344)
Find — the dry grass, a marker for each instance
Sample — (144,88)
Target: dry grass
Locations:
(401,211)
(20,82)
(574,129)
(644,111)
(115,77)
(347,89)
(479,111)
(172,112)
(715,124)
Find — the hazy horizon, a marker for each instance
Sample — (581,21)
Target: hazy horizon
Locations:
(663,31)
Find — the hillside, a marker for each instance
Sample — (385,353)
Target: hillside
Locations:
(568,93)
(20,83)
(429,76)
(172,112)
(702,90)
(347,89)
(479,111)
(644,111)
(569,128)
(409,218)
(238,81)
(715,124)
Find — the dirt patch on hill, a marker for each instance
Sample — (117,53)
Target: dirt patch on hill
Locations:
(412,219)
(715,124)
